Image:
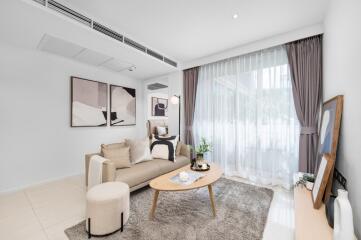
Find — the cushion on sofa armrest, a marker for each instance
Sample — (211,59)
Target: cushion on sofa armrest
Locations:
(185,150)
(108,174)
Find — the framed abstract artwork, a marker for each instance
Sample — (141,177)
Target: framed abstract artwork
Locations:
(122,106)
(330,127)
(329,135)
(324,171)
(159,107)
(88,103)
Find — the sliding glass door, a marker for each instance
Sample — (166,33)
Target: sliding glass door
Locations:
(244,106)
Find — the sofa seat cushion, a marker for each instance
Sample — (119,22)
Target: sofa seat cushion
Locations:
(168,166)
(139,173)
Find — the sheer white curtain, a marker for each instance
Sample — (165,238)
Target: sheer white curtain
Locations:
(244,107)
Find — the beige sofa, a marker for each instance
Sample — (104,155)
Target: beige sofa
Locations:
(140,174)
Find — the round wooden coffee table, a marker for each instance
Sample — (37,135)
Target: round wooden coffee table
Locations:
(163,183)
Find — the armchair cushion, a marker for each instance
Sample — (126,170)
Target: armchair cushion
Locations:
(185,150)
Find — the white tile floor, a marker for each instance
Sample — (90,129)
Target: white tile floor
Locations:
(44,211)
(280,221)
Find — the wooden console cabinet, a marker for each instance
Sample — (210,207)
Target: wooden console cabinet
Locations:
(310,223)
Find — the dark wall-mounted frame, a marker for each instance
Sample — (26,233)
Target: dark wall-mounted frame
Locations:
(119,118)
(104,102)
(153,107)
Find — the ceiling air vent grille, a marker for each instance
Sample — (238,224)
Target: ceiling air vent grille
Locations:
(170,62)
(102,29)
(156,86)
(107,31)
(68,12)
(134,44)
(42,2)
(154,54)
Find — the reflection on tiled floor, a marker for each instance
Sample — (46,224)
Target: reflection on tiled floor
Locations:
(280,221)
(44,211)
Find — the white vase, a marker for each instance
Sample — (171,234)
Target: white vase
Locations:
(343,220)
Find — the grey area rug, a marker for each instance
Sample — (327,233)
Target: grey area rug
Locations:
(242,212)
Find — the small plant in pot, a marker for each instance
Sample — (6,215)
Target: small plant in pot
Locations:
(201,149)
(306,180)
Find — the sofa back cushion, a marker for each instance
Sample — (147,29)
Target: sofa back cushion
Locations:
(118,153)
(164,147)
(139,150)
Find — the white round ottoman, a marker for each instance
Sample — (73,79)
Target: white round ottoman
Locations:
(107,208)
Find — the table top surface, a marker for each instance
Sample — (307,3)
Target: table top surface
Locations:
(163,183)
(310,223)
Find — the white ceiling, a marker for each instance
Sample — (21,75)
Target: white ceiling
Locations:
(24,23)
(70,50)
(182,30)
(191,29)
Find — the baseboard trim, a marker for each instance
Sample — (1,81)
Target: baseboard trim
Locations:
(38,183)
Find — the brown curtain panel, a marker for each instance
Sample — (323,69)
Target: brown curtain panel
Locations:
(190,82)
(305,60)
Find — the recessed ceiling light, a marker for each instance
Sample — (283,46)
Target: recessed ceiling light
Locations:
(132,68)
(235,16)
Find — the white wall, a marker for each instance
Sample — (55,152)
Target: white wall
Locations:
(175,87)
(148,94)
(258,45)
(342,62)
(148,104)
(36,141)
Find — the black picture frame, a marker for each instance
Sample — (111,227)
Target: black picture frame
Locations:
(105,113)
(114,115)
(153,111)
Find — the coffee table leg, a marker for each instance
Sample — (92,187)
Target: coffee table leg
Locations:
(210,190)
(154,205)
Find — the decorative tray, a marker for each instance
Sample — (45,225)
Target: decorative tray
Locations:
(199,168)
(192,177)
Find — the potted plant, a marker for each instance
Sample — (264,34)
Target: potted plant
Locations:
(306,180)
(201,149)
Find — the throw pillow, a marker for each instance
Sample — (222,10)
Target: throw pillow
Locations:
(161,131)
(164,147)
(118,153)
(139,150)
